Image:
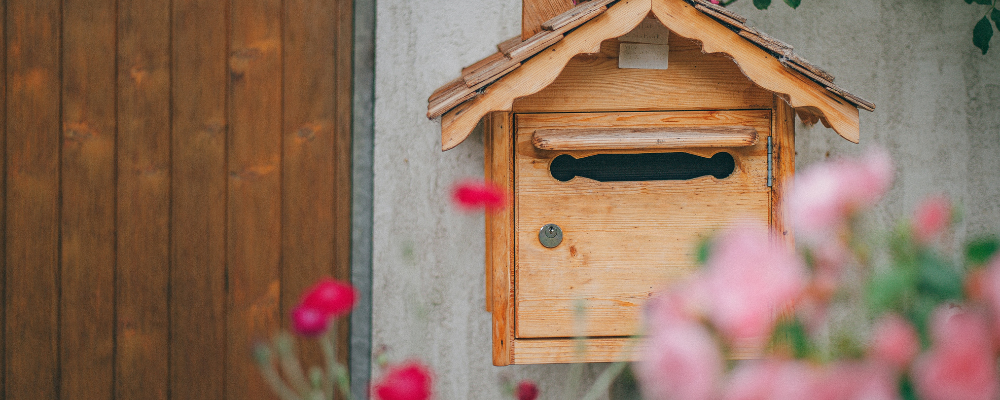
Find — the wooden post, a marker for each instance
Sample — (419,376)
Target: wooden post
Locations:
(535,12)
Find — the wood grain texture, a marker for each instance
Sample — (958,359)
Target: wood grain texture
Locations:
(615,251)
(3,200)
(784,167)
(87,230)
(536,12)
(629,138)
(694,81)
(253,229)
(198,200)
(500,232)
(562,351)
(33,133)
(143,279)
(342,159)
(488,177)
(758,65)
(577,15)
(538,72)
(308,178)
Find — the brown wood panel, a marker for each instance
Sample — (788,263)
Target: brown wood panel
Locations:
(500,237)
(198,200)
(33,116)
(3,199)
(784,166)
(565,350)
(254,205)
(342,158)
(694,81)
(143,81)
(488,176)
(87,234)
(535,12)
(308,178)
(611,226)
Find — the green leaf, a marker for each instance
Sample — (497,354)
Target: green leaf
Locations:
(886,290)
(792,332)
(980,250)
(762,4)
(968,1)
(983,2)
(982,34)
(938,279)
(704,250)
(793,3)
(995,14)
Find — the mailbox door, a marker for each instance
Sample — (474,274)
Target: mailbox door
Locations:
(621,240)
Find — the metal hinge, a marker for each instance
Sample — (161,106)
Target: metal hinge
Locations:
(770,162)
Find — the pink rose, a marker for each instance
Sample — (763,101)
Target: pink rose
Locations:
(750,275)
(961,363)
(309,322)
(682,361)
(407,381)
(475,195)
(895,342)
(826,195)
(526,390)
(333,298)
(931,218)
(856,381)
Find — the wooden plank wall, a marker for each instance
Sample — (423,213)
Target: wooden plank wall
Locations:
(175,173)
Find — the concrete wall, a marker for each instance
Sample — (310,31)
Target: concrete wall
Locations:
(937,98)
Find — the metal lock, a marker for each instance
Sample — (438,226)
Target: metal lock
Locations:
(550,236)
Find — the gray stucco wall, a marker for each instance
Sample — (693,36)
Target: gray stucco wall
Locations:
(937,114)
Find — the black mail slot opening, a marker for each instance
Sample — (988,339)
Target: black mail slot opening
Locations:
(642,167)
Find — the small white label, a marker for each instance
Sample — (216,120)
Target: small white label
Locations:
(650,31)
(643,56)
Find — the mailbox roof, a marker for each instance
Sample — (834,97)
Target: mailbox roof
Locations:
(474,85)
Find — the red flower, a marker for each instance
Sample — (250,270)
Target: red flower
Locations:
(308,321)
(408,381)
(332,298)
(473,195)
(931,218)
(527,390)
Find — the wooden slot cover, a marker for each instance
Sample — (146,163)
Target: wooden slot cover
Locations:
(644,138)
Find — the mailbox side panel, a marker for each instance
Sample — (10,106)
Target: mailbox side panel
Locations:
(499,169)
(784,166)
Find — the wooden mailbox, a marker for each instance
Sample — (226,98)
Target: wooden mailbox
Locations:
(619,158)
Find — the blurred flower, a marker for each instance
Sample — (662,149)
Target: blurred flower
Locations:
(960,365)
(309,322)
(475,195)
(332,298)
(408,381)
(526,390)
(855,381)
(683,361)
(825,196)
(931,218)
(770,380)
(749,275)
(895,342)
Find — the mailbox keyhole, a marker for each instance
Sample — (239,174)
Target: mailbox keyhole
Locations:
(642,167)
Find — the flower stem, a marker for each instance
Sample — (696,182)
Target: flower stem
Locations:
(604,381)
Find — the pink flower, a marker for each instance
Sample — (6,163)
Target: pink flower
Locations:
(825,196)
(526,390)
(332,298)
(986,286)
(309,322)
(407,381)
(473,195)
(856,381)
(960,365)
(750,274)
(931,218)
(895,342)
(770,379)
(682,360)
